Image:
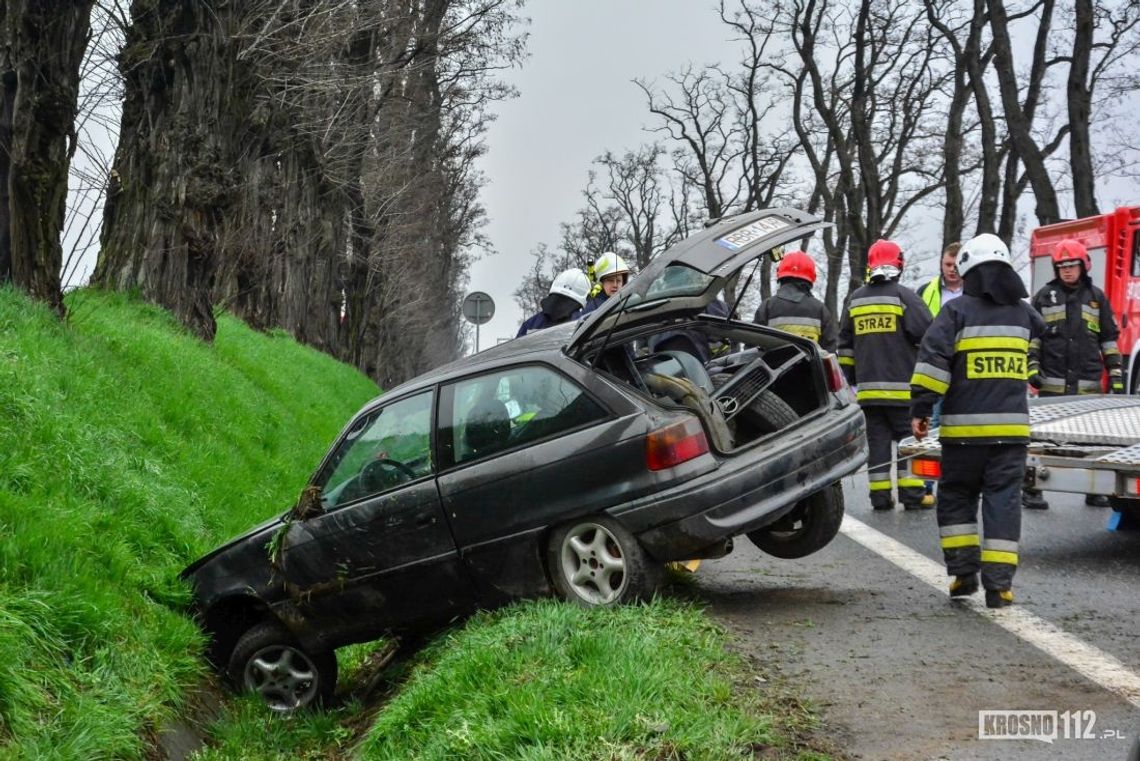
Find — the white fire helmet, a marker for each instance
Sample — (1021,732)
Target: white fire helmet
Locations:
(610,263)
(573,283)
(980,249)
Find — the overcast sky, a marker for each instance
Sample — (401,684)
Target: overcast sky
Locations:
(577,99)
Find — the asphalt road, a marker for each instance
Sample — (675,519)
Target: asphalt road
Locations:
(898,671)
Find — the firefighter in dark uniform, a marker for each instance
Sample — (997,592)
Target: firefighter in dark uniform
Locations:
(563,303)
(1079,342)
(794,309)
(976,355)
(878,342)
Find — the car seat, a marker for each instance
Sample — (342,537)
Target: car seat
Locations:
(488,427)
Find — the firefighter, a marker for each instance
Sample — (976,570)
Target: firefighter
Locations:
(1079,342)
(563,303)
(794,309)
(945,287)
(878,341)
(611,273)
(976,357)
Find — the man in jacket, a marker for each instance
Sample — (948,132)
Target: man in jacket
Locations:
(878,342)
(612,273)
(975,357)
(1079,342)
(793,308)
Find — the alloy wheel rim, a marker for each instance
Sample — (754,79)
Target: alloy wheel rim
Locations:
(284,677)
(593,564)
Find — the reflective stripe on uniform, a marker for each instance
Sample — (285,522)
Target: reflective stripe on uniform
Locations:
(958,529)
(875,309)
(999,551)
(1053,314)
(807,327)
(912,483)
(997,425)
(930,377)
(1109,347)
(876,300)
(849,361)
(960,540)
(1088,387)
(879,481)
(883,390)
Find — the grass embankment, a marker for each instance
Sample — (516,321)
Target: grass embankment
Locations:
(127,449)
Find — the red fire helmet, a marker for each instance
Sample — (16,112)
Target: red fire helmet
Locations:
(796,264)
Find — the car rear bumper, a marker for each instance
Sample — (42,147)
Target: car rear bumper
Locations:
(750,490)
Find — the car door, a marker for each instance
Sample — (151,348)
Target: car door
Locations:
(380,555)
(523,448)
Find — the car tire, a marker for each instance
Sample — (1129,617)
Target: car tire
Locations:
(767,413)
(808,528)
(269,661)
(596,562)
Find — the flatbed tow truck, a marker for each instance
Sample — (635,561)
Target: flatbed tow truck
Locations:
(1078,444)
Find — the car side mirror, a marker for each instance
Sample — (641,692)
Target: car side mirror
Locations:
(308,504)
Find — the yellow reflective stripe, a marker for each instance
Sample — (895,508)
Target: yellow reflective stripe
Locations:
(997,556)
(881,485)
(912,482)
(876,309)
(992,342)
(935,385)
(982,431)
(877,394)
(847,361)
(962,540)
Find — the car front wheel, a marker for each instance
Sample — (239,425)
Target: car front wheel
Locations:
(268,660)
(597,562)
(808,528)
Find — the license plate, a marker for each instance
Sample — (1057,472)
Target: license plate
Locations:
(752,232)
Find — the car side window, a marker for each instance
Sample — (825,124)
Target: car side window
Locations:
(384,449)
(500,410)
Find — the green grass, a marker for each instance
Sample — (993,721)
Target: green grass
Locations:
(127,449)
(551,681)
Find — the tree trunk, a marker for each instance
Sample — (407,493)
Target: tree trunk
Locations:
(1080,106)
(173,180)
(44,43)
(1020,124)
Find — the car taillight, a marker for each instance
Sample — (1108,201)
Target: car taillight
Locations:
(835,379)
(675,444)
(926,468)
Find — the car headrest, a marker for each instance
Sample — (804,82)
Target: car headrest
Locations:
(488,426)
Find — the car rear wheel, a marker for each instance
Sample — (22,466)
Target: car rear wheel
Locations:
(268,660)
(597,562)
(808,528)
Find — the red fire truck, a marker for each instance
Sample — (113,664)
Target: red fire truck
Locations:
(1113,243)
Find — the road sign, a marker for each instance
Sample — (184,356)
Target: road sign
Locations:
(478,307)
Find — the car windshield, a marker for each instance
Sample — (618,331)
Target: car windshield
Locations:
(678,280)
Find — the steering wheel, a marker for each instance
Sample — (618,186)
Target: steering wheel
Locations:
(383,473)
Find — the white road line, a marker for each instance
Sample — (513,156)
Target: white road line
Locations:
(1087,660)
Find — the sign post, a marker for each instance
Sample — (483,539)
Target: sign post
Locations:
(478,308)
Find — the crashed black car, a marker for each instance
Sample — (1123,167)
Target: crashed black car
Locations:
(574,460)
